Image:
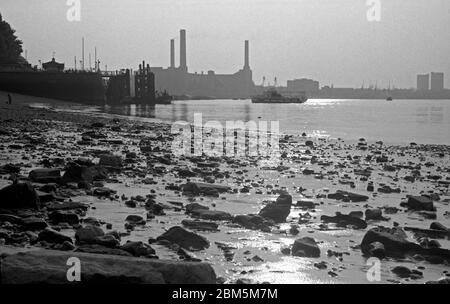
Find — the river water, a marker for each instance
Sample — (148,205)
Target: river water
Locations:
(394,122)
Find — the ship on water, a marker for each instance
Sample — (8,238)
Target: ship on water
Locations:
(273,96)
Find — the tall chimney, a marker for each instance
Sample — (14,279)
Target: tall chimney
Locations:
(172,53)
(246,59)
(183,50)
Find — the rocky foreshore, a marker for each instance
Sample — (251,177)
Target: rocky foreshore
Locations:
(110,192)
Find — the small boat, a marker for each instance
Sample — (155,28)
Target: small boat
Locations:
(389,98)
(272,96)
(163,98)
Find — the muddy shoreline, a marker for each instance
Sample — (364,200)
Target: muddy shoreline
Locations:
(119,176)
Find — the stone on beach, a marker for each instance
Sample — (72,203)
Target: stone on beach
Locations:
(135,219)
(305,247)
(45,175)
(374,214)
(110,161)
(50,267)
(376,249)
(18,196)
(52,236)
(348,196)
(306,203)
(104,192)
(438,226)
(343,220)
(190,208)
(420,203)
(203,212)
(62,216)
(138,249)
(95,235)
(75,172)
(185,239)
(396,245)
(279,210)
(253,222)
(212,215)
(200,225)
(100,249)
(34,223)
(66,206)
(394,241)
(204,188)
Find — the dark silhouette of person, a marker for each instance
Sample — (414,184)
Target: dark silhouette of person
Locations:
(9,99)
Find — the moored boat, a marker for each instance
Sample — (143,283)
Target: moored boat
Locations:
(272,96)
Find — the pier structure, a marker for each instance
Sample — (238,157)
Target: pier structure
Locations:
(128,86)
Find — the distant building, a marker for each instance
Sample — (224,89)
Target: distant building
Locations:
(178,80)
(423,82)
(302,85)
(53,66)
(437,81)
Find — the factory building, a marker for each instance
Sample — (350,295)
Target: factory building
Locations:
(437,81)
(423,82)
(179,82)
(303,85)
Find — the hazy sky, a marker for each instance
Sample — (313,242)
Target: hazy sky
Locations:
(327,40)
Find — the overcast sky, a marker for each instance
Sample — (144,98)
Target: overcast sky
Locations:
(327,40)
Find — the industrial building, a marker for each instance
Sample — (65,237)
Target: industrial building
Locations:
(437,81)
(179,82)
(302,85)
(423,82)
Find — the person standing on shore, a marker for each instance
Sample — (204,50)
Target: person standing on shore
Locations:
(9,99)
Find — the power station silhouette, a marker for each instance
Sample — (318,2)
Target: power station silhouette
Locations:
(178,81)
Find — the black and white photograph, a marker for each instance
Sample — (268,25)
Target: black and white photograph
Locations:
(224,142)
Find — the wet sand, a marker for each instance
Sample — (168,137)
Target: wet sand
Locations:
(311,169)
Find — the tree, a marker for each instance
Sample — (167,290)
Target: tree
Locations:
(10,45)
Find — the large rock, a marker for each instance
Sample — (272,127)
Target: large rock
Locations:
(344,220)
(348,196)
(18,196)
(138,249)
(193,207)
(212,215)
(394,241)
(279,210)
(396,245)
(67,206)
(204,188)
(305,247)
(88,234)
(76,173)
(45,175)
(50,267)
(253,221)
(377,249)
(203,212)
(135,219)
(374,214)
(438,226)
(64,216)
(200,225)
(99,249)
(54,237)
(420,203)
(33,223)
(111,161)
(305,203)
(185,239)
